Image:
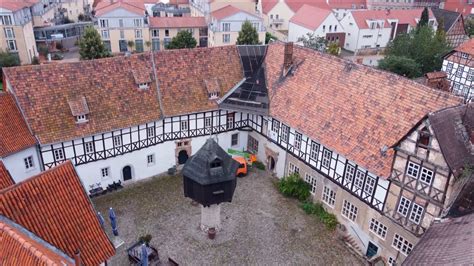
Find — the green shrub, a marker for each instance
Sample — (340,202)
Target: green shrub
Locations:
(259,165)
(317,209)
(295,187)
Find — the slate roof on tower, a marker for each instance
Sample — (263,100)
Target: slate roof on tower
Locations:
(55,207)
(350,108)
(14,133)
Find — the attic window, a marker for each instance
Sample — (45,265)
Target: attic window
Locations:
(81,118)
(464,55)
(213,95)
(79,109)
(424,138)
(216,163)
(143,86)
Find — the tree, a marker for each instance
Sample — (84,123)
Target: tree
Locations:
(8,60)
(130,45)
(269,37)
(248,34)
(333,48)
(469,26)
(424,18)
(401,65)
(312,41)
(184,39)
(425,47)
(91,45)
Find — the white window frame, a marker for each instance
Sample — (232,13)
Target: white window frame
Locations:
(391,261)
(213,95)
(117,140)
(29,163)
(378,228)
(416,213)
(105,172)
(413,169)
(470,75)
(401,244)
(349,210)
(226,38)
(225,26)
(403,206)
(349,174)
(311,180)
(11,45)
(369,184)
(150,159)
(232,143)
(105,34)
(297,140)
(285,132)
(89,147)
(138,34)
(150,132)
(329,196)
(426,175)
(9,33)
(359,179)
(184,125)
(449,67)
(6,20)
(275,126)
(314,151)
(104,23)
(137,22)
(292,169)
(58,154)
(459,71)
(155,33)
(81,118)
(326,160)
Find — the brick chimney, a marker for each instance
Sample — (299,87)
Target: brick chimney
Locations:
(288,59)
(77,258)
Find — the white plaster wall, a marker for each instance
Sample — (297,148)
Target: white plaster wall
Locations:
(16,166)
(295,31)
(284,12)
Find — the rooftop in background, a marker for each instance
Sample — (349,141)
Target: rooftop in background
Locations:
(105,6)
(403,16)
(310,17)
(25,248)
(6,179)
(227,11)
(55,207)
(295,5)
(13,5)
(178,22)
(461,6)
(14,133)
(447,242)
(449,17)
(467,47)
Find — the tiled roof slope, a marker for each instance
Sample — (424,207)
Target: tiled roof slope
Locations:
(352,109)
(178,22)
(14,133)
(467,47)
(103,7)
(182,76)
(21,247)
(403,16)
(449,242)
(267,5)
(6,179)
(310,17)
(54,206)
(108,85)
(294,5)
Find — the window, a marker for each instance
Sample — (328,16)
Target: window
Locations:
(271,16)
(117,141)
(28,162)
(255,26)
(335,28)
(464,55)
(349,175)
(234,139)
(378,228)
(297,143)
(122,35)
(208,122)
(330,28)
(349,210)
(150,159)
(105,34)
(230,120)
(155,33)
(311,181)
(137,22)
(470,75)
(426,175)
(104,172)
(104,23)
(143,86)
(81,118)
(457,88)
(155,44)
(213,95)
(184,125)
(401,244)
(225,26)
(314,151)
(293,169)
(150,132)
(167,33)
(459,71)
(252,144)
(403,206)
(413,169)
(367,37)
(89,147)
(324,28)
(329,196)
(226,38)
(424,137)
(275,126)
(121,23)
(9,33)
(416,212)
(11,45)
(5,20)
(138,34)
(326,162)
(369,185)
(58,154)
(449,67)
(107,45)
(391,261)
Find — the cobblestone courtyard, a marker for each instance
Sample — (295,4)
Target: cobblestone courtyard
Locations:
(259,227)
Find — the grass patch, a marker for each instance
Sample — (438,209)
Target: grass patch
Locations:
(318,211)
(295,187)
(259,165)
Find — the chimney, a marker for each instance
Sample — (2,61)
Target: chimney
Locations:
(77,258)
(288,60)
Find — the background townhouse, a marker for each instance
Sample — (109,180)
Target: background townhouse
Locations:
(375,28)
(459,68)
(453,26)
(163,29)
(465,7)
(322,22)
(405,4)
(225,24)
(204,8)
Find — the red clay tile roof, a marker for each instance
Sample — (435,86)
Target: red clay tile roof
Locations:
(79,106)
(103,7)
(350,108)
(227,11)
(295,5)
(113,97)
(310,17)
(54,206)
(461,6)
(21,247)
(403,16)
(345,4)
(467,47)
(111,91)
(178,22)
(6,179)
(14,5)
(268,5)
(14,133)
(436,75)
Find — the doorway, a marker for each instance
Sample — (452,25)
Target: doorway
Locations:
(371,250)
(182,156)
(127,173)
(270,163)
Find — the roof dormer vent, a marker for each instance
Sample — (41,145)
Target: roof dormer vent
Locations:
(142,79)
(79,109)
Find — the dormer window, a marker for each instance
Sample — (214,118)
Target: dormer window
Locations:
(79,109)
(143,86)
(424,138)
(216,163)
(213,88)
(81,118)
(213,95)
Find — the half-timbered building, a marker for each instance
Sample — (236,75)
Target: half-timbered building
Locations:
(453,26)
(336,123)
(459,67)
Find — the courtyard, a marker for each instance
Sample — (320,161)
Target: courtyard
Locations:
(260,226)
